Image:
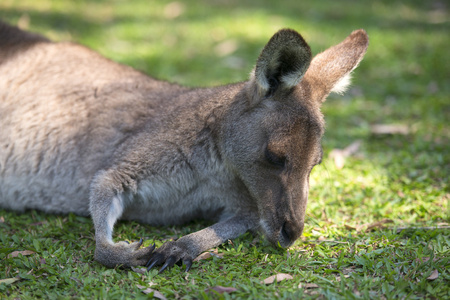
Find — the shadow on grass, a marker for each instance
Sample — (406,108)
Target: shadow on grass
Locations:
(323,16)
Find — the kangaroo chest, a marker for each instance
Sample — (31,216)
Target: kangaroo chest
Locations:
(182,197)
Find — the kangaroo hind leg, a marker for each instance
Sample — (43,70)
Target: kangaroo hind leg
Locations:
(106,207)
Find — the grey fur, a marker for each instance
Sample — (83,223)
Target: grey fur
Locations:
(80,133)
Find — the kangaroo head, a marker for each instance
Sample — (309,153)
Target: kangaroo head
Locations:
(271,137)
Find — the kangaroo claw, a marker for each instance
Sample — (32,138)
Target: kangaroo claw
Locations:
(156,259)
(188,263)
(168,255)
(169,263)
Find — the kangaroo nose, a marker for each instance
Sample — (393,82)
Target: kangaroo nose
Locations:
(289,233)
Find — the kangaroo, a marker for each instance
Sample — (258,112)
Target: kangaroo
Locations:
(80,133)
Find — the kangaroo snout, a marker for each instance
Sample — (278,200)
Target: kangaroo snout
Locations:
(283,216)
(290,232)
(282,232)
(284,224)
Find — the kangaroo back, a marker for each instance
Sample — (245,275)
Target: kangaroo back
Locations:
(13,41)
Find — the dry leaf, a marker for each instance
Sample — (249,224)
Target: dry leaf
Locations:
(24,22)
(2,220)
(434,275)
(76,280)
(139,270)
(174,10)
(390,129)
(349,227)
(9,280)
(204,255)
(208,254)
(234,62)
(339,159)
(156,294)
(226,47)
(425,259)
(215,253)
(255,241)
(339,155)
(222,289)
(356,292)
(38,223)
(24,253)
(307,286)
(348,270)
(278,277)
(339,278)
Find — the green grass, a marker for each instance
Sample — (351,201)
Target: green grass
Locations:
(404,79)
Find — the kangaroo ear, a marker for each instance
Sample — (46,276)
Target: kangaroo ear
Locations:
(330,70)
(281,64)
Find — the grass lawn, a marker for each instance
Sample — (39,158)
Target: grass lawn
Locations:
(353,246)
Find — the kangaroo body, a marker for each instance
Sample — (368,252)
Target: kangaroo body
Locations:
(80,133)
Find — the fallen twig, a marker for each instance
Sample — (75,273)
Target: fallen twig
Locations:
(324,241)
(369,226)
(400,229)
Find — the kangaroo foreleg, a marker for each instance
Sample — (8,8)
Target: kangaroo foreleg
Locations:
(190,246)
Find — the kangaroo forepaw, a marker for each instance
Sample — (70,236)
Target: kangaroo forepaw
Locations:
(123,253)
(168,255)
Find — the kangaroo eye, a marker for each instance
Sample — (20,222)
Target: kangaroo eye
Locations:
(274,159)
